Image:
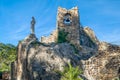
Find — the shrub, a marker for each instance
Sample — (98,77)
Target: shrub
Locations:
(71,73)
(62,36)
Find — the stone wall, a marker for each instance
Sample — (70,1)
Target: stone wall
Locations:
(50,39)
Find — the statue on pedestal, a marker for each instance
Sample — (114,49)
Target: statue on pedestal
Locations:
(33,25)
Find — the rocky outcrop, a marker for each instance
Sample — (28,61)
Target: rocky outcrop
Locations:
(41,60)
(105,64)
(88,38)
(19,69)
(91,34)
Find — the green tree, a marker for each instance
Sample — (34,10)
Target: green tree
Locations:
(7,55)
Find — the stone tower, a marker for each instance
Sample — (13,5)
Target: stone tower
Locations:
(68,21)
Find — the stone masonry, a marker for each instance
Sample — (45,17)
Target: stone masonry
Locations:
(72,28)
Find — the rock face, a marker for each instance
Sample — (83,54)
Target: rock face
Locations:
(105,65)
(39,60)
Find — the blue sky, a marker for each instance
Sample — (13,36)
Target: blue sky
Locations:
(103,16)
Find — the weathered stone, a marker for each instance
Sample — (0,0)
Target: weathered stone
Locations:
(105,65)
(71,29)
(40,60)
(91,34)
(50,39)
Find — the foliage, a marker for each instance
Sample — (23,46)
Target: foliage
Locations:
(62,36)
(7,55)
(71,73)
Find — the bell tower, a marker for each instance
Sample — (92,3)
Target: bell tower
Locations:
(68,21)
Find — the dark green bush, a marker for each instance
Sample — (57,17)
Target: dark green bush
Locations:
(62,36)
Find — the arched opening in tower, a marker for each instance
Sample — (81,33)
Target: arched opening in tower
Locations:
(67,19)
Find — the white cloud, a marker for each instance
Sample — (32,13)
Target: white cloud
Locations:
(19,33)
(113,36)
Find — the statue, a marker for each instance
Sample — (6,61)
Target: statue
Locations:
(33,25)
